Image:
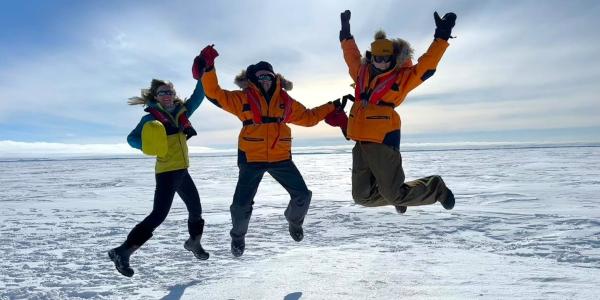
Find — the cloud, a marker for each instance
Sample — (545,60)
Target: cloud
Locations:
(506,55)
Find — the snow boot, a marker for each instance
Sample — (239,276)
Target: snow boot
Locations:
(400,209)
(193,245)
(120,257)
(196,229)
(296,232)
(237,247)
(449,202)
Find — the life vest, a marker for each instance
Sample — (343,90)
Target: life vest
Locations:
(373,96)
(184,122)
(258,118)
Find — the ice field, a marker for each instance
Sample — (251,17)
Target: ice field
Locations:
(526,225)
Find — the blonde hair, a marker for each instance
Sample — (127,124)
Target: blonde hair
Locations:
(148,94)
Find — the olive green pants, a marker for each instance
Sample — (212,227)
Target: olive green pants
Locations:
(378,179)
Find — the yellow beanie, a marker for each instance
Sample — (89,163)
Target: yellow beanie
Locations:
(382,47)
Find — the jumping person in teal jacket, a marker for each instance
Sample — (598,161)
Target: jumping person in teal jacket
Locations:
(164,132)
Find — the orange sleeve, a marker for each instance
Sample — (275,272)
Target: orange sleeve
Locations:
(426,65)
(352,57)
(309,117)
(230,101)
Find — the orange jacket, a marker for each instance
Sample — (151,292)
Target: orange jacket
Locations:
(265,142)
(381,123)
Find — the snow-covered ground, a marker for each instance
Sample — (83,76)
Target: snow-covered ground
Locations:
(526,225)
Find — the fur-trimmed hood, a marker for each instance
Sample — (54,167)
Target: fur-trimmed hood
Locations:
(402,50)
(243,81)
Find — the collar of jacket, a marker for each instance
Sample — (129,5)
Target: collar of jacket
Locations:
(179,109)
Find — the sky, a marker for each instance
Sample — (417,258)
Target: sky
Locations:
(517,70)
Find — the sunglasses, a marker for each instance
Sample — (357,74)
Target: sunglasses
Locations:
(165,93)
(265,77)
(382,59)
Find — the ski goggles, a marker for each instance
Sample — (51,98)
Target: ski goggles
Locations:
(265,77)
(382,59)
(165,93)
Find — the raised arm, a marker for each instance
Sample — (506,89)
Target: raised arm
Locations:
(195,100)
(351,53)
(427,63)
(204,69)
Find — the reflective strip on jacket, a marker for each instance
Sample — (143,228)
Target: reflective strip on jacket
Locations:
(376,123)
(265,142)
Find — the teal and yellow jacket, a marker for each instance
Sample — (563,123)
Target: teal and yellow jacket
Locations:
(177,154)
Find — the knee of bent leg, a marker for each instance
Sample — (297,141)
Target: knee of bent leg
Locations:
(306,195)
(360,197)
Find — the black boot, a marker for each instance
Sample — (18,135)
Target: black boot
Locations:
(296,232)
(120,256)
(237,247)
(196,229)
(448,203)
(400,209)
(193,245)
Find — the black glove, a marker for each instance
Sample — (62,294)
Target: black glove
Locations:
(337,103)
(444,25)
(345,32)
(189,132)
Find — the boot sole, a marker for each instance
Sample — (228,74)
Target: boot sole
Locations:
(196,255)
(111,255)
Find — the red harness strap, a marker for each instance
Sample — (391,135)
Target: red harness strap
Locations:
(254,106)
(257,114)
(184,122)
(159,116)
(287,104)
(383,86)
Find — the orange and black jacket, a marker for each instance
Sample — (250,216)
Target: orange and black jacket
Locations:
(270,140)
(380,123)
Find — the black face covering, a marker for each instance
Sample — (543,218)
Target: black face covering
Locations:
(269,93)
(251,73)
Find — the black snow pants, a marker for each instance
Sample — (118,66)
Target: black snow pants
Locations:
(167,184)
(250,175)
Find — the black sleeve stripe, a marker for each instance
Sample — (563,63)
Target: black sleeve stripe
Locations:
(427,74)
(214,101)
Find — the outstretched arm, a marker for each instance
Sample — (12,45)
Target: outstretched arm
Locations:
(309,117)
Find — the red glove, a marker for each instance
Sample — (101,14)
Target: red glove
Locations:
(209,54)
(198,67)
(338,118)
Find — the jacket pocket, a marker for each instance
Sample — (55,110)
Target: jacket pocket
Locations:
(378,117)
(252,139)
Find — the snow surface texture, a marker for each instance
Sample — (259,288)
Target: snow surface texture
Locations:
(526,225)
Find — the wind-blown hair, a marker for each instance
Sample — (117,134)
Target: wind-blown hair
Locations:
(148,94)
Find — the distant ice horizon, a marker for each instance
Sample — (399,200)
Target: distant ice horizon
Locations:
(16,150)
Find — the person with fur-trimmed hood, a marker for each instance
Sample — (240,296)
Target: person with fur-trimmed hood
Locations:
(382,80)
(264,108)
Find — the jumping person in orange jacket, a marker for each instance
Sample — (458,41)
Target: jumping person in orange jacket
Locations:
(264,145)
(382,80)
